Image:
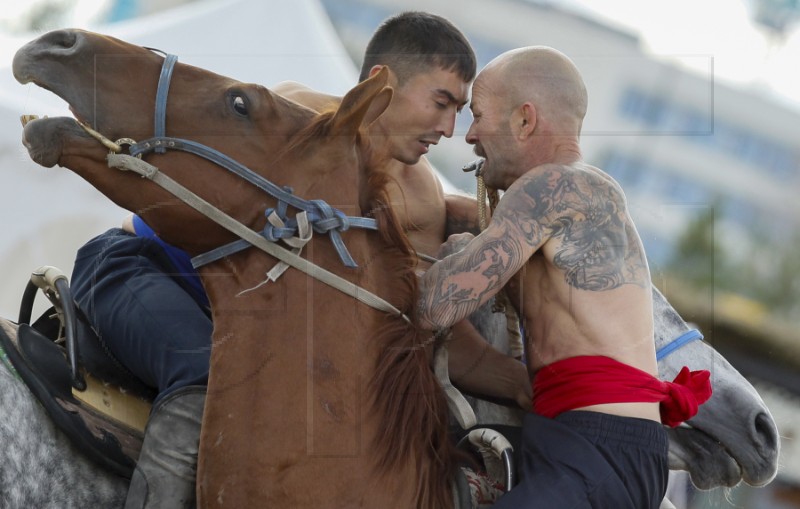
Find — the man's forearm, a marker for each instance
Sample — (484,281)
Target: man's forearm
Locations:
(441,305)
(477,367)
(462,215)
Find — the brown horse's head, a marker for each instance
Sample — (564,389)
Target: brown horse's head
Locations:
(111,85)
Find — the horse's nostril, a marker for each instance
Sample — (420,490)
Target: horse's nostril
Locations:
(766,433)
(60,39)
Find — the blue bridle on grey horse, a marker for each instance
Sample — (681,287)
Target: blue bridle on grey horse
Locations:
(682,340)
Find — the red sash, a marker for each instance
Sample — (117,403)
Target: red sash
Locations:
(592,380)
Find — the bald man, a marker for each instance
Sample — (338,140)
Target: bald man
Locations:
(562,239)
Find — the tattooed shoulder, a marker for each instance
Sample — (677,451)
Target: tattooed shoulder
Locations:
(584,213)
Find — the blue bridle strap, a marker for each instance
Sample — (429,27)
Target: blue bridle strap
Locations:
(322,217)
(331,223)
(161,97)
(682,340)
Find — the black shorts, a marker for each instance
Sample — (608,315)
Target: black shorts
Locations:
(590,460)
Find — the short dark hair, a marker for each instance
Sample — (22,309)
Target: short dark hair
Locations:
(409,41)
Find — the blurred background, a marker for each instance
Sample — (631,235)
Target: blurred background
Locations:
(694,108)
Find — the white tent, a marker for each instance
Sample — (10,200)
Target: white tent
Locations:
(47,214)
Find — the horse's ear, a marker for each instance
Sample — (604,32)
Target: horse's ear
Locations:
(363,104)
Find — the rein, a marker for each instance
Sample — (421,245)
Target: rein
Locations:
(130,163)
(318,214)
(502,303)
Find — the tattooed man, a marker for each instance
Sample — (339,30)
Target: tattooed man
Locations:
(562,240)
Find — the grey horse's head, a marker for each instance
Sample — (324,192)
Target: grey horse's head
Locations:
(733,437)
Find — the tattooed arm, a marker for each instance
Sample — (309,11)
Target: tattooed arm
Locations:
(456,286)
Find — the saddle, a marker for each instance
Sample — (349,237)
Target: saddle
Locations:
(88,393)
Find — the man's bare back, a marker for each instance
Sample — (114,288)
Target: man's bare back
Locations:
(590,270)
(587,289)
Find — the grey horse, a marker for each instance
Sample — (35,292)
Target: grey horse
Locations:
(732,439)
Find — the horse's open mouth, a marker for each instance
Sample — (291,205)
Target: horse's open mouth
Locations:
(46,138)
(27,118)
(709,463)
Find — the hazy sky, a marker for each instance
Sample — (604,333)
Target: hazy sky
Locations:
(721,29)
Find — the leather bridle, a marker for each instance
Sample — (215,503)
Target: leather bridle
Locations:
(318,214)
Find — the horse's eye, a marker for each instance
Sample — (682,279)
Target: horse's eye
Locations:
(239,105)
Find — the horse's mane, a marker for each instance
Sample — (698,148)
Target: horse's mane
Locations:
(403,391)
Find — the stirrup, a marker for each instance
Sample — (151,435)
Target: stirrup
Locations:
(496,451)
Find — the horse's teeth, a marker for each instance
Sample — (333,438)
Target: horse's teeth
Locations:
(27,118)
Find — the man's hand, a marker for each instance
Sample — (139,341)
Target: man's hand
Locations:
(455,243)
(524,395)
(476,367)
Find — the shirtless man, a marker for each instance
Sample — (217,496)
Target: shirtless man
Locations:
(563,240)
(431,66)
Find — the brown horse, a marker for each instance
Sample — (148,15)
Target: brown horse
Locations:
(313,396)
